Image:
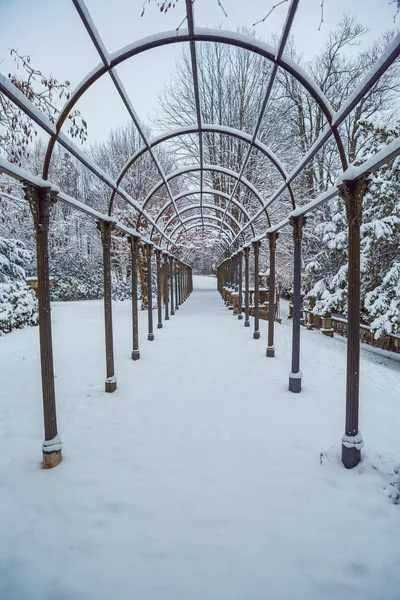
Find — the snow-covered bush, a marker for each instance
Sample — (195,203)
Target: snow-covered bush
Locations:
(75,277)
(18,304)
(326,273)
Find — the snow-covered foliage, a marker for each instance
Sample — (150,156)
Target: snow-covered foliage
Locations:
(326,272)
(18,305)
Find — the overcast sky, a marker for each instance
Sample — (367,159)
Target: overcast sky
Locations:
(52,33)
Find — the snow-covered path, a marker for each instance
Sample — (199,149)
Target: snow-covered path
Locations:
(200,478)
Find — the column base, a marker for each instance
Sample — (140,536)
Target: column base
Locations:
(270,351)
(351,450)
(350,457)
(159,325)
(51,459)
(295,382)
(240,317)
(172,313)
(135,354)
(247,323)
(176,307)
(256,335)
(166,318)
(110,384)
(52,452)
(150,337)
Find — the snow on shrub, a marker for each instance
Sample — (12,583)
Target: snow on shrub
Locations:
(18,306)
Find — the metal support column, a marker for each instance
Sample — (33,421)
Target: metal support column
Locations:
(240,286)
(171,281)
(176,287)
(166,291)
(134,241)
(353,193)
(40,201)
(256,249)
(159,294)
(106,229)
(246,286)
(295,376)
(150,335)
(272,237)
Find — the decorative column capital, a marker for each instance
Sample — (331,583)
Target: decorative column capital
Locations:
(246,251)
(298,223)
(352,192)
(105,228)
(40,201)
(272,237)
(256,246)
(134,242)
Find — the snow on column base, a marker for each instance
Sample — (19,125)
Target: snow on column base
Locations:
(110,384)
(351,450)
(240,317)
(172,313)
(256,335)
(167,318)
(135,354)
(270,351)
(247,323)
(52,452)
(150,337)
(159,325)
(295,382)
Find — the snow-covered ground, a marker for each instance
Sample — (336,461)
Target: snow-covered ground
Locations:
(200,478)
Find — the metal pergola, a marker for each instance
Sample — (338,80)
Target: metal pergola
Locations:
(236,235)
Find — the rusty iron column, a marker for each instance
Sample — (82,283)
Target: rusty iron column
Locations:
(159,294)
(295,375)
(240,287)
(176,286)
(246,286)
(105,229)
(134,241)
(171,281)
(256,249)
(40,201)
(180,283)
(352,193)
(150,335)
(272,237)
(166,291)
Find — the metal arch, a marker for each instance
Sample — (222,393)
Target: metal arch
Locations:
(210,226)
(195,74)
(211,217)
(271,80)
(196,191)
(206,206)
(209,128)
(194,168)
(199,34)
(105,57)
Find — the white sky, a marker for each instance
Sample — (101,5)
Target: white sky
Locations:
(53,34)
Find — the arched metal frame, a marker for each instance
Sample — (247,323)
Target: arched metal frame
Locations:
(194,207)
(211,217)
(236,133)
(193,169)
(109,61)
(207,191)
(40,193)
(195,229)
